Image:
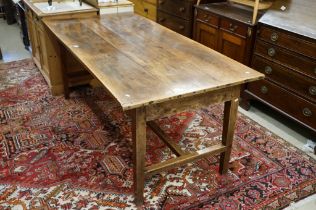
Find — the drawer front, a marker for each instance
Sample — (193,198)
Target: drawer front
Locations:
(303,86)
(207,18)
(146,9)
(234,27)
(180,8)
(293,105)
(288,41)
(176,24)
(300,64)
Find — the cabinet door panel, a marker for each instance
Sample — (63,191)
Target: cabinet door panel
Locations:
(34,40)
(232,46)
(206,35)
(43,51)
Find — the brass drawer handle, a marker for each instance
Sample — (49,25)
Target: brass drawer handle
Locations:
(271,52)
(307,112)
(205,16)
(181,9)
(312,90)
(264,89)
(274,37)
(161,2)
(232,27)
(268,70)
(181,27)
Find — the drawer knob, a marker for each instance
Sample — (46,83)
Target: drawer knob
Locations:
(264,89)
(181,9)
(307,112)
(312,90)
(161,2)
(232,27)
(181,27)
(274,37)
(271,52)
(268,70)
(146,10)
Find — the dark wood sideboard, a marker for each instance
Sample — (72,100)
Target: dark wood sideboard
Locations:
(285,51)
(177,15)
(226,28)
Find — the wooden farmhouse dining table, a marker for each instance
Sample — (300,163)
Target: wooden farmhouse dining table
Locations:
(154,72)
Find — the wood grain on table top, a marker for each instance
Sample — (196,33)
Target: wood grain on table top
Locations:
(141,62)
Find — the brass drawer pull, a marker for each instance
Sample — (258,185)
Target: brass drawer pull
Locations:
(232,27)
(307,112)
(312,90)
(181,9)
(271,52)
(264,89)
(268,70)
(181,27)
(274,37)
(161,2)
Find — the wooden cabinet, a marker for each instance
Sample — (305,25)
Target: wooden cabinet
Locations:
(146,8)
(226,28)
(46,51)
(177,15)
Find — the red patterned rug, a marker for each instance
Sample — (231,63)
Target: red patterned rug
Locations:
(76,154)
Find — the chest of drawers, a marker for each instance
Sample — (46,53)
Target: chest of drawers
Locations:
(289,63)
(177,15)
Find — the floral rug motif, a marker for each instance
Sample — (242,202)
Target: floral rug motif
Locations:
(76,154)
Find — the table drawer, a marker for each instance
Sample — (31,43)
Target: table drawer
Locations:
(176,24)
(289,103)
(300,64)
(180,8)
(288,41)
(234,27)
(207,18)
(303,86)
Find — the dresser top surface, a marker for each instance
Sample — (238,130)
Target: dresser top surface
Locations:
(141,62)
(297,16)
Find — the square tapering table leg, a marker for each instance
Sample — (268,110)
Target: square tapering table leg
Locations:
(230,117)
(139,143)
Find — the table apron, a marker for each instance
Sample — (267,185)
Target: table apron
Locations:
(168,108)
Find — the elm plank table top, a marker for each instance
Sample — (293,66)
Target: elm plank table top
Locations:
(142,63)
